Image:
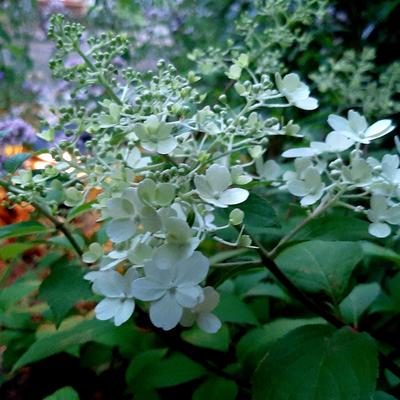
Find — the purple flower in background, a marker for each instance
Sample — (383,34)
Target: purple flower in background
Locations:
(16,131)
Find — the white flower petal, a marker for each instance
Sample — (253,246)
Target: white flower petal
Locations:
(393,215)
(106,308)
(357,122)
(338,142)
(211,300)
(154,272)
(192,270)
(188,296)
(148,290)
(208,322)
(234,196)
(379,129)
(298,187)
(124,312)
(202,186)
(291,81)
(110,284)
(218,177)
(310,103)
(150,219)
(311,198)
(120,208)
(167,145)
(119,230)
(300,152)
(188,318)
(379,229)
(166,312)
(170,254)
(338,123)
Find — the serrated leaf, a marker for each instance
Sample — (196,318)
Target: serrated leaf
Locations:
(63,288)
(22,229)
(318,266)
(335,227)
(258,214)
(14,162)
(82,332)
(358,301)
(65,393)
(252,346)
(319,363)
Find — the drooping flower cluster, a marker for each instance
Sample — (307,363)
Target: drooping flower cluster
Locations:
(164,164)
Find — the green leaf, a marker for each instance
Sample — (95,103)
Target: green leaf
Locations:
(12,250)
(232,309)
(373,250)
(83,332)
(258,214)
(63,288)
(22,229)
(150,370)
(18,290)
(66,393)
(317,266)
(78,210)
(215,387)
(175,370)
(319,363)
(141,365)
(14,162)
(358,301)
(334,227)
(62,241)
(252,346)
(216,341)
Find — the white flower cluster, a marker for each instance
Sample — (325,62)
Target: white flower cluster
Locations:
(366,177)
(162,164)
(154,257)
(158,202)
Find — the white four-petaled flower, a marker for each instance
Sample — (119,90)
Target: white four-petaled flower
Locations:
(356,128)
(126,213)
(173,289)
(155,135)
(213,187)
(305,182)
(381,214)
(202,313)
(296,91)
(118,304)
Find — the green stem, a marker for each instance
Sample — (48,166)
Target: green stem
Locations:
(319,210)
(102,81)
